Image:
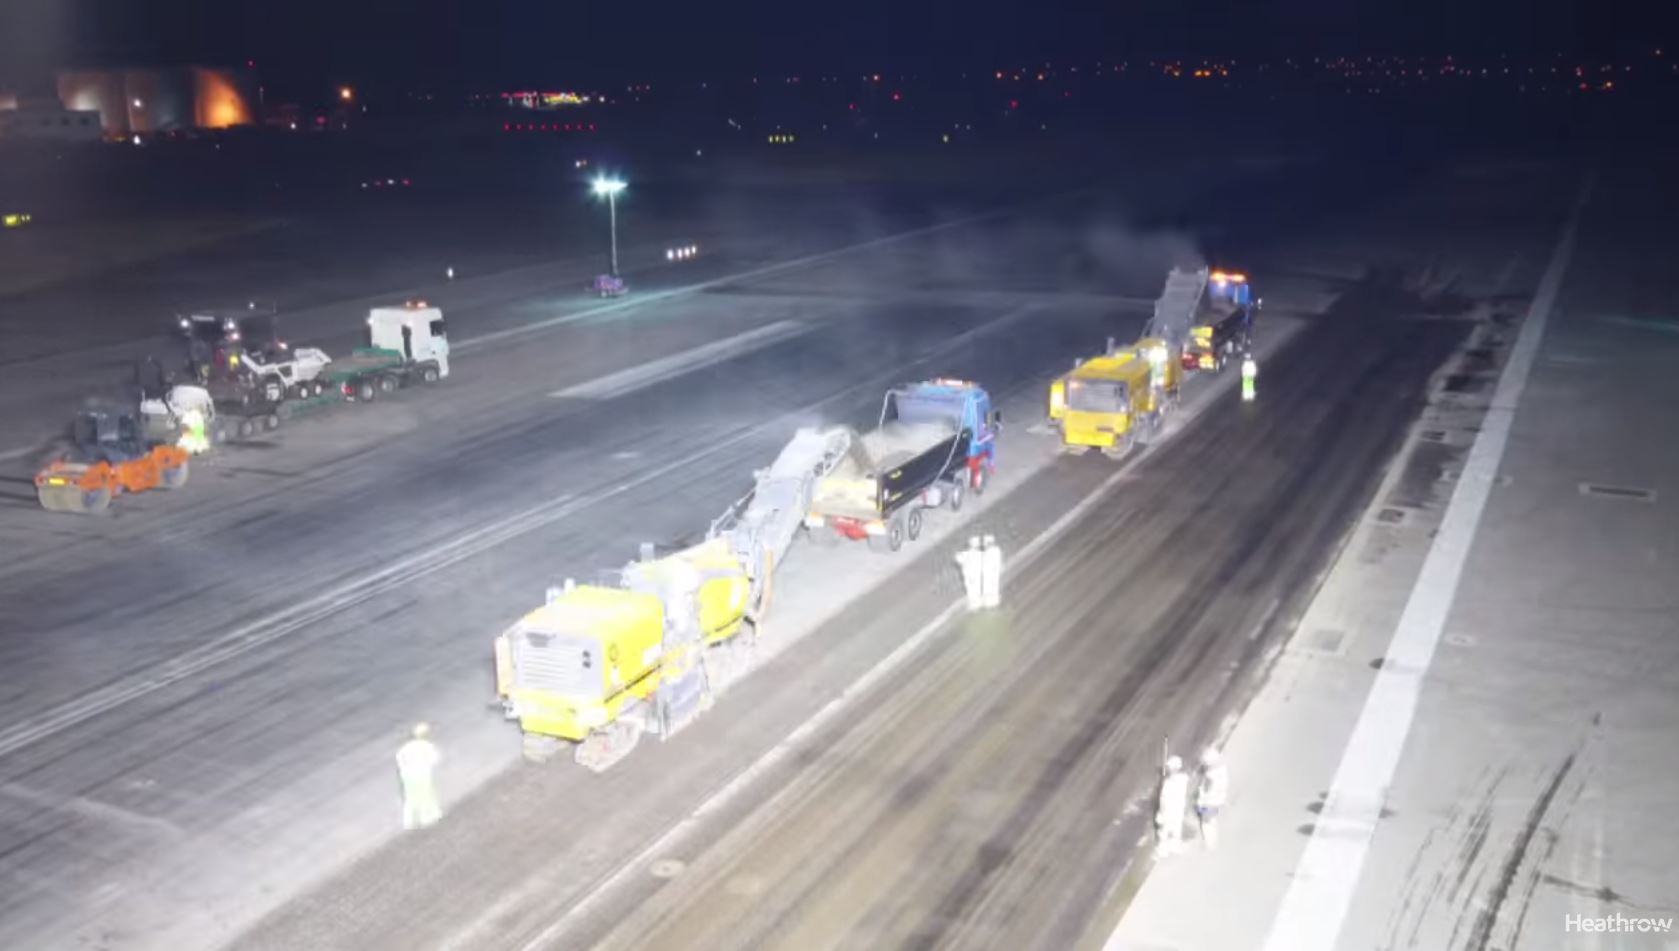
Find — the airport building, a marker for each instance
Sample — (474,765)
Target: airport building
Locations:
(169,99)
(45,121)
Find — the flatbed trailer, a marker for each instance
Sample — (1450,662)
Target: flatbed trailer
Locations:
(409,345)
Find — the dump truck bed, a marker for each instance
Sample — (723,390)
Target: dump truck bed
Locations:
(895,443)
(887,466)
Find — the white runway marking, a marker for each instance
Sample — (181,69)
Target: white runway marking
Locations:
(677,364)
(1320,892)
(638,299)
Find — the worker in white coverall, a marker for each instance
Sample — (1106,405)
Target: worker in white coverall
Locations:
(1211,793)
(968,559)
(1250,375)
(416,764)
(991,572)
(1169,812)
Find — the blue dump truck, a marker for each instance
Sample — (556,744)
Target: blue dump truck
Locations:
(936,442)
(1220,320)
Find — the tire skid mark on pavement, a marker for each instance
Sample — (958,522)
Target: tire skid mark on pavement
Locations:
(1313,910)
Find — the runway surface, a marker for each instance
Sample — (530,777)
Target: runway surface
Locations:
(206,687)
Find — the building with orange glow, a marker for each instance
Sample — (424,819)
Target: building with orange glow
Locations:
(169,99)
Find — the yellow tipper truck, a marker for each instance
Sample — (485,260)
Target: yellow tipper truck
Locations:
(1105,403)
(599,665)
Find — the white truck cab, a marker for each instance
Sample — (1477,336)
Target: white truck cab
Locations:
(414,330)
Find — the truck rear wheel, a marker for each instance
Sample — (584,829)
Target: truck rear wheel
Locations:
(365,391)
(892,540)
(387,384)
(912,524)
(246,429)
(958,494)
(978,480)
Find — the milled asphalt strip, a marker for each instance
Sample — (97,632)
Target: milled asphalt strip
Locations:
(687,361)
(672,837)
(1320,892)
(302,616)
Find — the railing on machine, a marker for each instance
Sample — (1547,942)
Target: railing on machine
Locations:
(761,525)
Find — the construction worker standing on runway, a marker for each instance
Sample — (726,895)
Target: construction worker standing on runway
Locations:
(416,764)
(1250,372)
(991,572)
(1169,812)
(1211,793)
(193,437)
(969,560)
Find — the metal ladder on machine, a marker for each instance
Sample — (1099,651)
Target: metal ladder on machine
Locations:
(761,526)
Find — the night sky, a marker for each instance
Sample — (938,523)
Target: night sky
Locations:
(452,44)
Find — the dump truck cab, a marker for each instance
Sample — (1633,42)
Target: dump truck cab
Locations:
(963,404)
(1230,287)
(1106,403)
